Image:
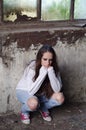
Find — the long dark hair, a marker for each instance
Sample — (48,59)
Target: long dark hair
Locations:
(42,50)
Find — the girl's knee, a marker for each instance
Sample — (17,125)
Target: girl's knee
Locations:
(58,97)
(32,103)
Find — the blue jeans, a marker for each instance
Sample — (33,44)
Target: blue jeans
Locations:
(44,103)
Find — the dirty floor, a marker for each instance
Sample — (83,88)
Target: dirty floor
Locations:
(65,117)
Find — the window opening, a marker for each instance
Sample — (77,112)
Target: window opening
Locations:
(80,9)
(19,10)
(43,10)
(55,10)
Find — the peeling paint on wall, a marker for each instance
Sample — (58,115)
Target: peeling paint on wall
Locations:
(25,40)
(18,49)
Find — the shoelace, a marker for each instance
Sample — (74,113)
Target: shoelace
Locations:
(45,114)
(25,115)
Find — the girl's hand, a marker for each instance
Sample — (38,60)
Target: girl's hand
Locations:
(50,68)
(43,69)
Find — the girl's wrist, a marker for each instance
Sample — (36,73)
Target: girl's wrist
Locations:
(50,68)
(43,69)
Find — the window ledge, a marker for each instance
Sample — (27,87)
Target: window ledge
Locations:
(41,26)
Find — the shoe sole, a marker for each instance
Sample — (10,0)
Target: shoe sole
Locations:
(25,122)
(45,118)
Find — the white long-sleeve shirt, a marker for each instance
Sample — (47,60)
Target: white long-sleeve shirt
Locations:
(28,84)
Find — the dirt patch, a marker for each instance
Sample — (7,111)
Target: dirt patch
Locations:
(66,117)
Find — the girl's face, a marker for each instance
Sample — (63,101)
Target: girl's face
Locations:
(47,59)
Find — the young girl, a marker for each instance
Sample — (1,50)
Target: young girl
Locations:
(40,85)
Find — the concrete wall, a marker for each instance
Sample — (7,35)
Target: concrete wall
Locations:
(18,48)
(19,44)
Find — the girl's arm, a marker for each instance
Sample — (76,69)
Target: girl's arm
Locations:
(55,82)
(33,86)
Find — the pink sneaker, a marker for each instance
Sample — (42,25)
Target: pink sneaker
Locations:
(25,118)
(46,116)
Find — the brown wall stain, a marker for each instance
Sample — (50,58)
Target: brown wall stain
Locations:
(26,39)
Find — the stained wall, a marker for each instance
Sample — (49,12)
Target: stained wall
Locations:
(20,44)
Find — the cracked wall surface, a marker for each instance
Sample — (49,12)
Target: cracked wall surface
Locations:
(18,49)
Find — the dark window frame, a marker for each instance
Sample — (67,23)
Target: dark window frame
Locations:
(38,22)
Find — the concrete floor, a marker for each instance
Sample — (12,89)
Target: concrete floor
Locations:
(65,117)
